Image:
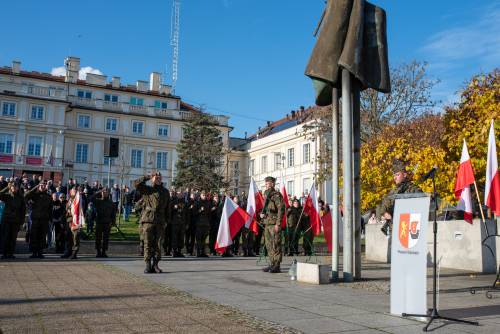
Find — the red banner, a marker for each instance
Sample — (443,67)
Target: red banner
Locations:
(33,161)
(6,158)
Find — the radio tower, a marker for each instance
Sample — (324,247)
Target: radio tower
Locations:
(174,39)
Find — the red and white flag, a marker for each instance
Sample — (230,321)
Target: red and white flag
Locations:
(232,220)
(312,209)
(255,205)
(492,187)
(78,219)
(465,177)
(287,204)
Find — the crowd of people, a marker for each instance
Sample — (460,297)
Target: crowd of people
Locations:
(189,224)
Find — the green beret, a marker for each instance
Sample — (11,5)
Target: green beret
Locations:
(270,179)
(398,166)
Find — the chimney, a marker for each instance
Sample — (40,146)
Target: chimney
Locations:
(246,135)
(141,86)
(96,79)
(72,68)
(268,123)
(293,113)
(154,81)
(165,89)
(115,82)
(16,67)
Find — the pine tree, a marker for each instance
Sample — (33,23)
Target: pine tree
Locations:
(201,155)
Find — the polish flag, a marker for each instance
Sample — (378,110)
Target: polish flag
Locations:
(465,177)
(255,205)
(232,220)
(287,204)
(312,209)
(492,187)
(78,219)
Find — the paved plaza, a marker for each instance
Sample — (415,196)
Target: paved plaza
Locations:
(215,295)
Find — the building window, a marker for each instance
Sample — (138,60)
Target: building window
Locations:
(81,153)
(277,161)
(6,141)
(263,164)
(111,124)
(163,130)
(35,146)
(136,159)
(83,121)
(161,160)
(291,157)
(137,127)
(8,109)
(234,167)
(306,186)
(251,167)
(289,188)
(136,101)
(110,98)
(161,105)
(307,153)
(84,94)
(37,113)
(106,161)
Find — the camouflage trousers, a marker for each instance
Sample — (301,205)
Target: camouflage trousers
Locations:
(273,245)
(153,235)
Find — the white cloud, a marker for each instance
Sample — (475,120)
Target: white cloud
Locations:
(82,74)
(478,41)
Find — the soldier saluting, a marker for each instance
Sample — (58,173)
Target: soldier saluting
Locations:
(271,215)
(154,214)
(41,214)
(403,186)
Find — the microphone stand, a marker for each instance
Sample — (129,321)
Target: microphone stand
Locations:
(433,313)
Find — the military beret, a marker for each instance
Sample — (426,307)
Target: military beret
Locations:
(270,179)
(398,166)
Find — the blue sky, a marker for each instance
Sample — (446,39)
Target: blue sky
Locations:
(242,58)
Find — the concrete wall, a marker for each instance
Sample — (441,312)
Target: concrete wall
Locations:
(459,246)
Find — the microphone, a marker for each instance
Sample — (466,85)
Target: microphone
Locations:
(429,174)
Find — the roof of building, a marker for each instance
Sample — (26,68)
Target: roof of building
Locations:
(60,79)
(295,118)
(237,144)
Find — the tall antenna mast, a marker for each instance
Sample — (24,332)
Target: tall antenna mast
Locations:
(174,39)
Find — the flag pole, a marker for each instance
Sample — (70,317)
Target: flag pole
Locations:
(481,209)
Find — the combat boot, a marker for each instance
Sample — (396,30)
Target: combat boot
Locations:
(34,255)
(99,254)
(103,254)
(156,268)
(73,255)
(40,255)
(149,268)
(275,270)
(266,269)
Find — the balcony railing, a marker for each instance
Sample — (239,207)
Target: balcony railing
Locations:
(81,101)
(112,105)
(137,108)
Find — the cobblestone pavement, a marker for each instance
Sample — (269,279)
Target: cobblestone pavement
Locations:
(56,296)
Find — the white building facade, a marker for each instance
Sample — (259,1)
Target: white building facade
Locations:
(56,126)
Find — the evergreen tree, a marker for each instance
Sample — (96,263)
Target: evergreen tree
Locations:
(201,156)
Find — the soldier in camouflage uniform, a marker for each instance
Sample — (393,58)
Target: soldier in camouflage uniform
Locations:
(41,214)
(403,186)
(271,216)
(13,217)
(153,218)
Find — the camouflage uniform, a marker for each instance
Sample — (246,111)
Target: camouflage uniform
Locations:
(41,214)
(13,218)
(153,218)
(387,205)
(274,209)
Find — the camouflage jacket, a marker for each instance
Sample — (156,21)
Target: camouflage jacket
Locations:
(387,205)
(275,208)
(156,200)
